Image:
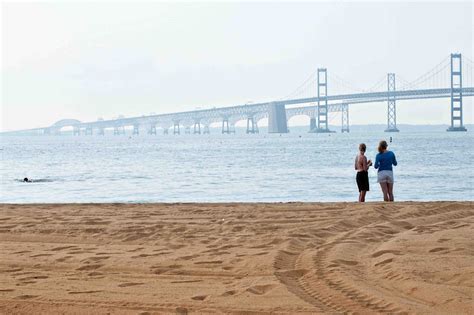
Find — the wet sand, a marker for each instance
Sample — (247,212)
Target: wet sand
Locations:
(237,258)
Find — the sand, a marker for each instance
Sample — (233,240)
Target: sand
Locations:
(294,258)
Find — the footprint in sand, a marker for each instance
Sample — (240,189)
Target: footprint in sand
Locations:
(384,262)
(438,249)
(89,267)
(382,252)
(62,248)
(33,278)
(200,297)
(442,240)
(40,255)
(129,284)
(63,258)
(186,281)
(181,311)
(345,262)
(260,289)
(135,249)
(229,293)
(11,270)
(83,292)
(209,262)
(95,259)
(25,297)
(188,257)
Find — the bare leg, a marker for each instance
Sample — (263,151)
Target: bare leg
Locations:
(390,191)
(384,191)
(362,196)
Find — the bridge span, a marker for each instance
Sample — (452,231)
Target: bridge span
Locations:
(280,111)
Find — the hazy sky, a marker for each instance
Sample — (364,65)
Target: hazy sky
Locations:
(104,59)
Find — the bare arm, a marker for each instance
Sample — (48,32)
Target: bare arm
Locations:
(365,165)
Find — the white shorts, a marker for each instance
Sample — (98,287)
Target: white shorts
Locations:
(385,177)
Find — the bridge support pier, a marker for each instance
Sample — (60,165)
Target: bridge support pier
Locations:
(119,131)
(277,122)
(152,130)
(136,130)
(101,131)
(176,130)
(252,125)
(391,104)
(312,124)
(456,94)
(206,130)
(88,131)
(187,130)
(76,131)
(165,130)
(345,118)
(225,126)
(197,128)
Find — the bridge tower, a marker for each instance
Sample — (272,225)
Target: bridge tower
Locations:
(322,110)
(456,94)
(225,126)
(345,118)
(391,104)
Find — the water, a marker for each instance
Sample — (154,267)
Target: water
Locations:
(434,165)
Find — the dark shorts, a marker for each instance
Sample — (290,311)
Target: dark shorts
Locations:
(362,179)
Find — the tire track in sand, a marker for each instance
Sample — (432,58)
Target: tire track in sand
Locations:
(331,285)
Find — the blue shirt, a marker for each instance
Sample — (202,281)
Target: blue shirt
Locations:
(384,161)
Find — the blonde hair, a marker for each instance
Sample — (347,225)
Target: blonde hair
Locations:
(382,146)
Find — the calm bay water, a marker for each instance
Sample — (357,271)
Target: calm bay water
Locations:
(299,166)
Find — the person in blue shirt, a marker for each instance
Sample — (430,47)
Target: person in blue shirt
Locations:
(384,161)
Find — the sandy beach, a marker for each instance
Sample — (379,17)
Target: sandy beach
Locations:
(237,258)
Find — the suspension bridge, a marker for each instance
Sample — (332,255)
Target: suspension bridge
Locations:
(311,98)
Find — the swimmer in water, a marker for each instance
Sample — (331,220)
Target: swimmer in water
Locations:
(26,180)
